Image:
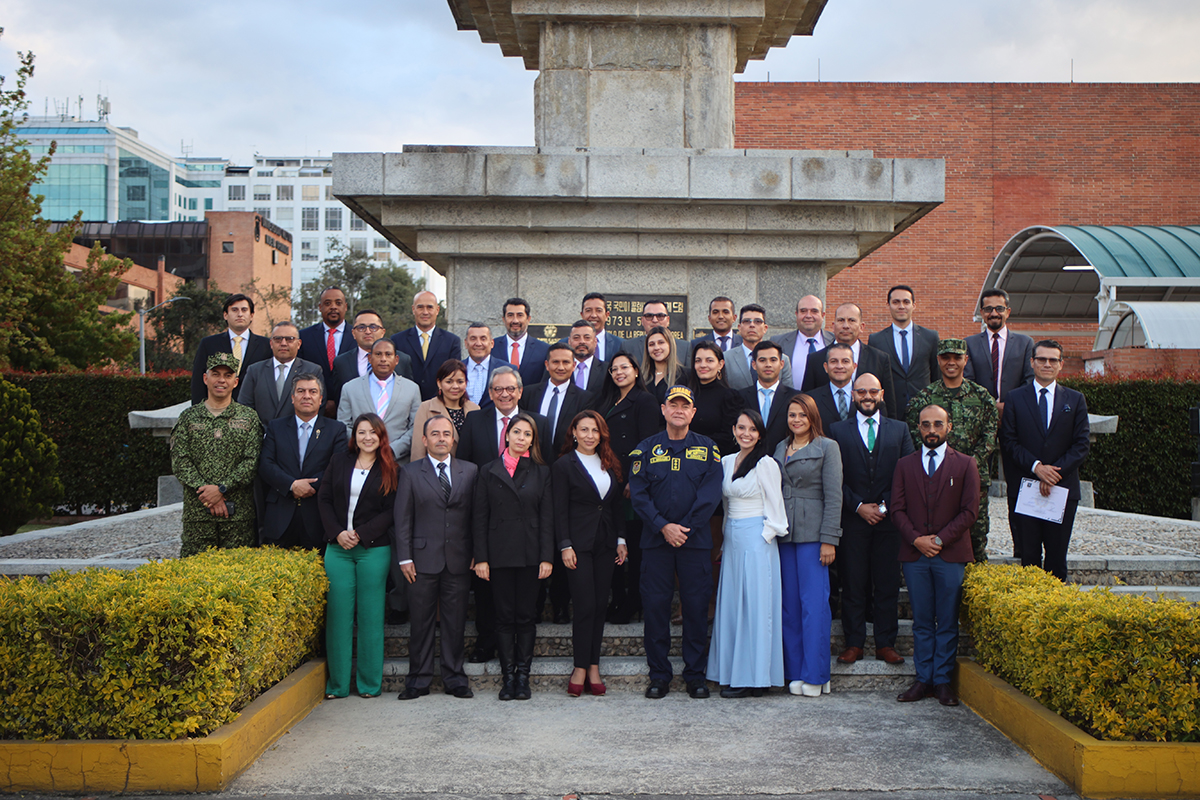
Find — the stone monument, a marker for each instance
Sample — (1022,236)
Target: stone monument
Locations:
(633,186)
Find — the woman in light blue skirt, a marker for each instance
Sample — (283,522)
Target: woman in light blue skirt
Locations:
(746,654)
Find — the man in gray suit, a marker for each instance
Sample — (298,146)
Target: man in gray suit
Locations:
(997,350)
(433,551)
(267,386)
(394,398)
(807,338)
(752,325)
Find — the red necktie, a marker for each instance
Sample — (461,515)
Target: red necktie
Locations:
(515,360)
(504,433)
(330,350)
(996,361)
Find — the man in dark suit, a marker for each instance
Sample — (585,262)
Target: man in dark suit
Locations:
(721,316)
(769,395)
(595,310)
(808,337)
(517,348)
(847,326)
(911,348)
(368,329)
(479,442)
(426,344)
(871,446)
(835,400)
(267,385)
(589,369)
(433,549)
(1044,438)
(480,363)
(292,463)
(935,498)
(654,313)
(557,398)
(998,350)
(247,347)
(323,342)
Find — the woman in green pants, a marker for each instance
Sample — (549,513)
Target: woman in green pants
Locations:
(356,499)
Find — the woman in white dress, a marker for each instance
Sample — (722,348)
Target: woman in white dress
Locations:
(746,654)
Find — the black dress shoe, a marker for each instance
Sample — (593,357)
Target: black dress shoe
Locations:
(395,617)
(698,690)
(461,691)
(561,617)
(945,695)
(918,691)
(412,693)
(731,692)
(480,656)
(657,690)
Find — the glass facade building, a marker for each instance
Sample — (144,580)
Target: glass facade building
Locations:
(71,188)
(145,189)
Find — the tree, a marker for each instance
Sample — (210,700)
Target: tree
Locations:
(389,289)
(178,327)
(49,317)
(29,481)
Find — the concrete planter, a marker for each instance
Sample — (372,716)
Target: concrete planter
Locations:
(1093,768)
(207,764)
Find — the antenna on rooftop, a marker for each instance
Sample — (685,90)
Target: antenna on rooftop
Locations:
(103,108)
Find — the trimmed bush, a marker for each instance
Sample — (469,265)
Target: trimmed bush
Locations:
(1121,668)
(102,461)
(173,649)
(1144,467)
(28,462)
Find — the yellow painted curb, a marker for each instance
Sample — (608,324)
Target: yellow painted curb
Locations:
(183,765)
(1092,768)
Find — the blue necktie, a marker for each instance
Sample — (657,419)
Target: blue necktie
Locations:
(932,461)
(303,441)
(904,350)
(812,346)
(1044,408)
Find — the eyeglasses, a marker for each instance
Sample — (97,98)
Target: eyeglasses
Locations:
(648,315)
(365,328)
(504,390)
(753,321)
(871,392)
(1046,361)
(926,425)
(283,339)
(993,309)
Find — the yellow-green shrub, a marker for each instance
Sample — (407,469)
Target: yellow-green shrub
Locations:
(1119,667)
(173,649)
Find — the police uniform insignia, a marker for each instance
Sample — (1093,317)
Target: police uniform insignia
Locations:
(659,454)
(675,465)
(697,453)
(659,450)
(634,453)
(637,467)
(716,453)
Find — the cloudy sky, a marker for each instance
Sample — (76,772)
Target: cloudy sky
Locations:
(232,78)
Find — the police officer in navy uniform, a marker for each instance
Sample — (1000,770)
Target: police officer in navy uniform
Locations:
(675,486)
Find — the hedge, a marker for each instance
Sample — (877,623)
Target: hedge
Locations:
(173,649)
(1120,667)
(1144,467)
(101,460)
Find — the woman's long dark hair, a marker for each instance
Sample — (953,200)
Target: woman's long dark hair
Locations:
(610,393)
(608,459)
(693,379)
(387,460)
(535,450)
(760,448)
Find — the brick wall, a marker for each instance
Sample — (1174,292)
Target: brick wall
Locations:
(1016,155)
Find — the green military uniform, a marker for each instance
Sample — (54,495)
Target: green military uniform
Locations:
(974,417)
(217,449)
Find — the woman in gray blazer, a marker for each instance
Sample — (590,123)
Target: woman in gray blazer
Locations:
(812,494)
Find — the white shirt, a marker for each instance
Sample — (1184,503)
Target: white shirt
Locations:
(800,355)
(520,343)
(600,477)
(938,459)
(587,370)
(364,363)
(476,380)
(896,337)
(863,427)
(245,341)
(548,397)
(772,390)
(757,494)
(357,478)
(285,364)
(1037,402)
(500,417)
(599,345)
(857,348)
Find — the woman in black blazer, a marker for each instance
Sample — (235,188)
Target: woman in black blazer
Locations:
(633,415)
(355,501)
(587,509)
(514,546)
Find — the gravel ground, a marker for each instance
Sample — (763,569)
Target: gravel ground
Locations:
(1096,534)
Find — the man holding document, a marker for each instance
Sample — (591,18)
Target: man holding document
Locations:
(1043,440)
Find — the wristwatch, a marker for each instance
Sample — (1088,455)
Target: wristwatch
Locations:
(937,540)
(883,508)
(222,488)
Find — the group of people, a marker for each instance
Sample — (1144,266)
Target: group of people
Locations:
(610,474)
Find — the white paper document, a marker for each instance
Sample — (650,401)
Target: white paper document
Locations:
(1031,503)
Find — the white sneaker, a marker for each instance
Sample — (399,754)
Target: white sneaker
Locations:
(826,688)
(795,687)
(810,690)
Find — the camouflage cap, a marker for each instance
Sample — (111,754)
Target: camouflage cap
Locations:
(952,346)
(222,360)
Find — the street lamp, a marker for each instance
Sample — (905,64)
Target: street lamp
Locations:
(142,312)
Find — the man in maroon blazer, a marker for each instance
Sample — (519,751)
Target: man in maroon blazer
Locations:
(935,499)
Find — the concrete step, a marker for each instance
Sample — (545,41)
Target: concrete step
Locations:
(1131,570)
(1190,594)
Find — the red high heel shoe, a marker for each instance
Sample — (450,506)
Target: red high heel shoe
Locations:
(596,689)
(575,689)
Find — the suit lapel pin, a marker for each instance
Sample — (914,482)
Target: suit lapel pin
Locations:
(317,433)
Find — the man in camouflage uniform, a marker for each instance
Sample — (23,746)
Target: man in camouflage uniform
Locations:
(214,454)
(974,417)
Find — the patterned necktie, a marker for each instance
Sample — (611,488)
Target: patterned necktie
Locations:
(382,403)
(580,378)
(304,429)
(504,435)
(237,351)
(843,406)
(996,361)
(1044,408)
(279,382)
(445,479)
(871,434)
(424,346)
(330,350)
(904,350)
(515,358)
(932,461)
